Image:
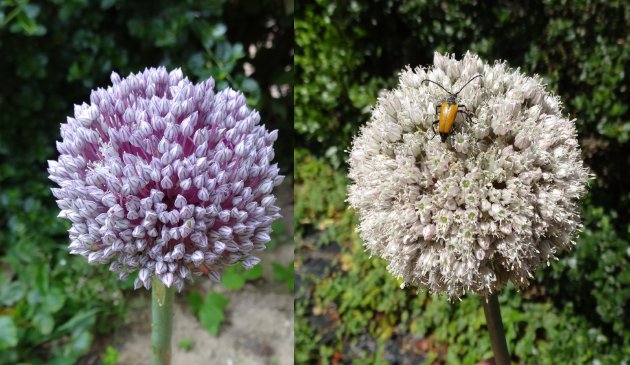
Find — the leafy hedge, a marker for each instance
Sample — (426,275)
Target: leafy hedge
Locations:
(346,52)
(574,312)
(51,54)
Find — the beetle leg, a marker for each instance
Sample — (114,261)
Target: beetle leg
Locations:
(433,127)
(466,113)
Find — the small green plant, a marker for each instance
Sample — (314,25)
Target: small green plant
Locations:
(278,235)
(186,344)
(285,275)
(210,310)
(110,357)
(235,277)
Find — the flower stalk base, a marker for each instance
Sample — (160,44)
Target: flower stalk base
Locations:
(495,327)
(161,322)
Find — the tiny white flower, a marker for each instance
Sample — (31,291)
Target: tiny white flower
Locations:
(495,200)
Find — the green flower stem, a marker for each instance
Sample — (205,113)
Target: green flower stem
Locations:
(495,327)
(161,322)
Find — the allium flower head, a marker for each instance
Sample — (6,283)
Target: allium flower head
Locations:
(166,178)
(489,205)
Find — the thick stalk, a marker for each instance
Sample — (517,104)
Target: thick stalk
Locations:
(161,322)
(495,327)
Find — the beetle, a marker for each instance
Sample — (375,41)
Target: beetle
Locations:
(448,110)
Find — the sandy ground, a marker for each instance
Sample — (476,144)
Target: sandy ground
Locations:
(259,319)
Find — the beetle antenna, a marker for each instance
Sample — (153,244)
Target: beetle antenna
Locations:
(460,90)
(427,80)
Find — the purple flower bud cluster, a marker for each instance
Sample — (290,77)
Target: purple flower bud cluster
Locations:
(167,178)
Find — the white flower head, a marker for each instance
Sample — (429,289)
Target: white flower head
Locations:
(492,202)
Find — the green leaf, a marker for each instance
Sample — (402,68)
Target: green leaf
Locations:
(237,51)
(254,273)
(278,235)
(195,301)
(250,86)
(8,333)
(81,320)
(232,279)
(31,10)
(211,314)
(53,301)
(235,277)
(217,300)
(80,343)
(278,228)
(285,274)
(43,322)
(219,30)
(42,279)
(12,292)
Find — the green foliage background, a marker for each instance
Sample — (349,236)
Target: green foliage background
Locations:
(52,53)
(353,312)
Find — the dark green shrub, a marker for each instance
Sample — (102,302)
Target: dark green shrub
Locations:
(573,313)
(346,51)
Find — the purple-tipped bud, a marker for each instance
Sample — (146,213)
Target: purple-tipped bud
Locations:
(203,195)
(144,275)
(180,201)
(167,279)
(250,262)
(197,258)
(160,267)
(109,200)
(219,247)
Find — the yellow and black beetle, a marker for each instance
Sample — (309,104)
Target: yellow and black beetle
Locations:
(448,111)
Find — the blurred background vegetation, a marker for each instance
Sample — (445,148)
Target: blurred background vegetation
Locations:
(348,308)
(52,53)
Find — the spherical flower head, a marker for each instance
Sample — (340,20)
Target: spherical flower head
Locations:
(499,197)
(163,177)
